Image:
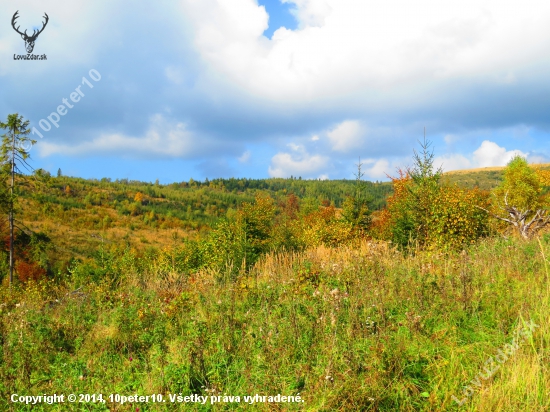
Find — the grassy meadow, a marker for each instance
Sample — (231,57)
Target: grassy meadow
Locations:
(357,328)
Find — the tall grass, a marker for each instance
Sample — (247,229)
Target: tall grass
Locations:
(359,328)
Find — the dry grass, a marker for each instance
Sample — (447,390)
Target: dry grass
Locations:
(490,169)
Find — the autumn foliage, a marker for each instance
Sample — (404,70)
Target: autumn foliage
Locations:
(520,202)
(424,213)
(27,271)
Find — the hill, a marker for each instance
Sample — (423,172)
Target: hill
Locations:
(81,214)
(486,178)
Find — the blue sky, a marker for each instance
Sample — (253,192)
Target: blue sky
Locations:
(280,15)
(221,88)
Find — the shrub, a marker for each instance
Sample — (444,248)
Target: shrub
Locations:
(29,271)
(424,213)
(324,227)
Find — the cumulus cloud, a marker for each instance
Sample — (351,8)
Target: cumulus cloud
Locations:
(452,162)
(491,154)
(310,13)
(397,54)
(163,139)
(488,154)
(379,169)
(297,162)
(346,136)
(354,78)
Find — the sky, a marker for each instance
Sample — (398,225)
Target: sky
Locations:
(180,89)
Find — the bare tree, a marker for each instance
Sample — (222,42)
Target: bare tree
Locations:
(519,200)
(527,222)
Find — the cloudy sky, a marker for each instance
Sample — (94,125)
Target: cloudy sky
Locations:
(273,88)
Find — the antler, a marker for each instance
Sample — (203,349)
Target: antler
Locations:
(15,17)
(44,25)
(35,33)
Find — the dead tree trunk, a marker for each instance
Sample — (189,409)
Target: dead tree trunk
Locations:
(524,222)
(11,204)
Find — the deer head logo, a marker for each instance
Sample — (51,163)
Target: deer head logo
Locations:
(29,40)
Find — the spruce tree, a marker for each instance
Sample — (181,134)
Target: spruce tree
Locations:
(14,154)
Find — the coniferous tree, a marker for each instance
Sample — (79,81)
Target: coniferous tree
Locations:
(14,153)
(424,190)
(355,208)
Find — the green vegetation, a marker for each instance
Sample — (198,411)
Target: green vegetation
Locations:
(349,328)
(75,211)
(356,296)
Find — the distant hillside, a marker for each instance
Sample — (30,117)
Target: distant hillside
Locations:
(494,168)
(79,214)
(486,178)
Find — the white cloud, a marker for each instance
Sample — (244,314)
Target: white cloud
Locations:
(488,154)
(346,136)
(297,163)
(385,50)
(452,162)
(163,139)
(491,154)
(310,13)
(378,169)
(538,158)
(378,65)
